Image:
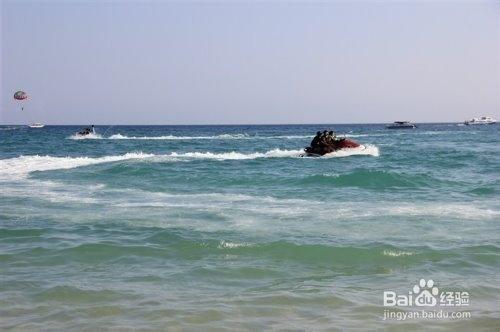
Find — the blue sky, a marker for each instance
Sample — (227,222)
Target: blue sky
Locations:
(245,62)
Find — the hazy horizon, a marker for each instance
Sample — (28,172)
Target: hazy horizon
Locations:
(170,63)
(230,124)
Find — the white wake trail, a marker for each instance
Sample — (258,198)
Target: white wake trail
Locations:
(172,137)
(362,150)
(88,136)
(276,153)
(20,167)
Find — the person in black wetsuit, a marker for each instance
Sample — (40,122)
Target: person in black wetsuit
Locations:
(324,137)
(86,131)
(316,139)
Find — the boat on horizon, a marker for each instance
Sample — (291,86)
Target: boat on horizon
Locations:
(401,125)
(36,125)
(480,121)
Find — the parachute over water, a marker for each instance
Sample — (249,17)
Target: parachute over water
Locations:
(20,96)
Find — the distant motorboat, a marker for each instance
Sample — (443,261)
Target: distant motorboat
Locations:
(36,125)
(401,125)
(480,121)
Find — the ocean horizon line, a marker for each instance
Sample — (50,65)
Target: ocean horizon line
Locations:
(234,124)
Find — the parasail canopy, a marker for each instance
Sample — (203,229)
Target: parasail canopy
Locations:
(20,95)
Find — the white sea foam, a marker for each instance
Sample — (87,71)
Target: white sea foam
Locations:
(371,150)
(233,155)
(88,136)
(345,220)
(214,137)
(362,150)
(280,207)
(232,245)
(443,210)
(219,137)
(20,167)
(172,137)
(398,253)
(286,136)
(54,192)
(232,136)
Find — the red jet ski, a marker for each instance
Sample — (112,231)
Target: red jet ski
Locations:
(323,148)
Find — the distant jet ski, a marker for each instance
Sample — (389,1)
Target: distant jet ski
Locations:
(86,131)
(325,144)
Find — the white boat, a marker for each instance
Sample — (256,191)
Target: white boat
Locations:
(36,125)
(401,125)
(482,120)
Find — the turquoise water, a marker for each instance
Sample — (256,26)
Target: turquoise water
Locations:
(212,227)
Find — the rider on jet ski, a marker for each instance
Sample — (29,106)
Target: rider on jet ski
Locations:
(328,142)
(87,131)
(323,138)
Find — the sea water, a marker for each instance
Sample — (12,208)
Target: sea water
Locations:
(229,227)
